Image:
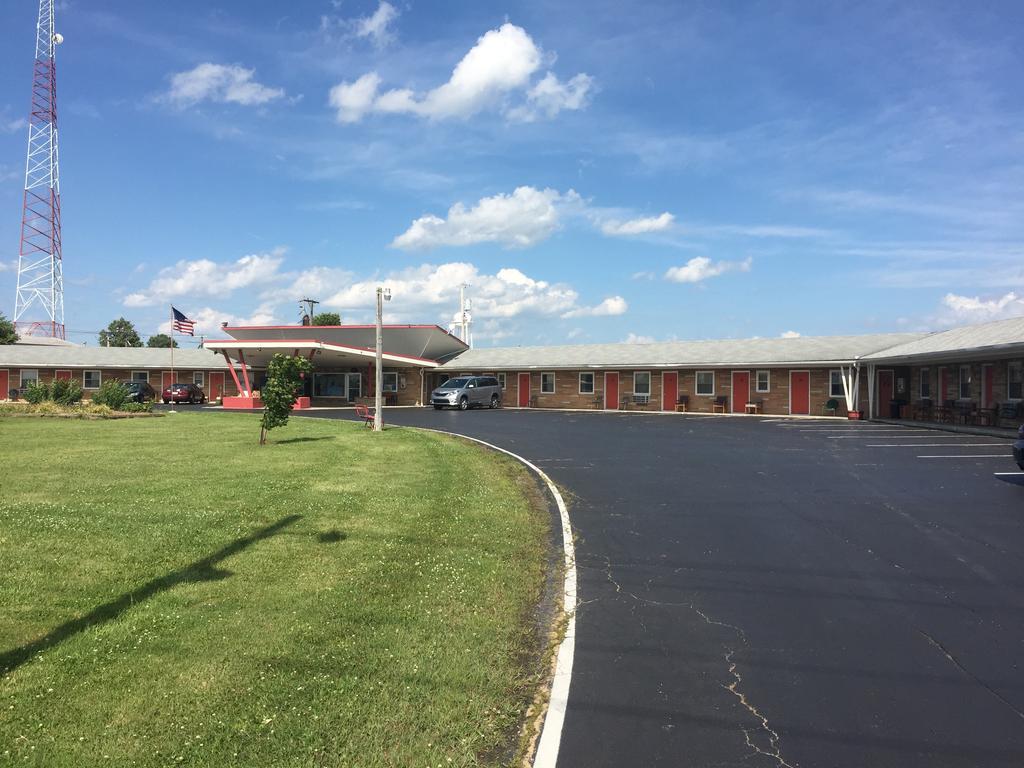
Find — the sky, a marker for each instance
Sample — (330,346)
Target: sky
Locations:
(594,171)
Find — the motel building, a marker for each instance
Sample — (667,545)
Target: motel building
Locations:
(968,375)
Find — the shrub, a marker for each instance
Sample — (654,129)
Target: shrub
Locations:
(137,407)
(97,409)
(48,408)
(37,393)
(112,394)
(284,382)
(66,391)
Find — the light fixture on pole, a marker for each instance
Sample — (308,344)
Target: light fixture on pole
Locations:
(383,294)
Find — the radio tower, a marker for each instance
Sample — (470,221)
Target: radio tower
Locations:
(39,304)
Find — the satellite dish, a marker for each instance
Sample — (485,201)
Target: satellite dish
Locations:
(58,38)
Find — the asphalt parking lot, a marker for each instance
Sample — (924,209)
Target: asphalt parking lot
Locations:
(765,592)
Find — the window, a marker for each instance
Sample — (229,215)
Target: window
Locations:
(763,381)
(1013,380)
(835,383)
(199,379)
(501,380)
(642,383)
(926,384)
(547,383)
(142,376)
(29,376)
(705,382)
(390,381)
(91,379)
(586,383)
(964,390)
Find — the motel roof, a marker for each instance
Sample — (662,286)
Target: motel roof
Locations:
(985,340)
(723,353)
(422,342)
(32,355)
(258,353)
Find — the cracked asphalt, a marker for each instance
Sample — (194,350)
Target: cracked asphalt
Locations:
(753,594)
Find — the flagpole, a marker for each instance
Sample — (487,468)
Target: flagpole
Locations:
(172,359)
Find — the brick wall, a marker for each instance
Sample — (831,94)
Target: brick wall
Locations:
(47,375)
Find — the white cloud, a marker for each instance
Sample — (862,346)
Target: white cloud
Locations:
(203,277)
(789,335)
(12,125)
(375,27)
(222,83)
(639,226)
(701,268)
(977,309)
(498,66)
(634,338)
(614,305)
(208,320)
(519,220)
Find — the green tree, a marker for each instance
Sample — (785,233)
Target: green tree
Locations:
(7,333)
(327,318)
(283,384)
(161,341)
(120,333)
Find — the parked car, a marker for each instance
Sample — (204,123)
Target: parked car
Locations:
(184,393)
(1018,447)
(139,392)
(464,392)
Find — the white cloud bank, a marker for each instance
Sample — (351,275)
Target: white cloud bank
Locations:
(524,218)
(978,310)
(701,268)
(610,307)
(222,83)
(789,335)
(375,27)
(203,277)
(500,65)
(640,226)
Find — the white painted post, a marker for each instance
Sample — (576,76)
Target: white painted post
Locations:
(378,412)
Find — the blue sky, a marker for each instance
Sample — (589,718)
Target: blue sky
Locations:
(598,171)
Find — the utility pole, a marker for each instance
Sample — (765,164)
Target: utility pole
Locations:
(383,294)
(310,303)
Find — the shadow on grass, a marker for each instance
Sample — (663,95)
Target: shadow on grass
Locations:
(302,440)
(198,571)
(331,537)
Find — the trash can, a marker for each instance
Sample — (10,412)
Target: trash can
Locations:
(12,394)
(894,408)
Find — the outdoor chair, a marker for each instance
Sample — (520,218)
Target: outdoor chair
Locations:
(923,411)
(830,405)
(721,404)
(754,406)
(363,412)
(944,412)
(964,411)
(1009,412)
(683,403)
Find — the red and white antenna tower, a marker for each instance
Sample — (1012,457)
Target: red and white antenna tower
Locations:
(40,275)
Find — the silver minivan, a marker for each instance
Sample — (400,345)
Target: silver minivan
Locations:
(463,392)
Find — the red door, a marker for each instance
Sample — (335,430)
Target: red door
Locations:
(524,390)
(62,375)
(943,384)
(740,391)
(5,384)
(611,390)
(884,393)
(669,390)
(800,392)
(216,385)
(167,380)
(986,386)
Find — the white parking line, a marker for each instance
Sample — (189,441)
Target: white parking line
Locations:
(936,445)
(875,436)
(1008,474)
(970,456)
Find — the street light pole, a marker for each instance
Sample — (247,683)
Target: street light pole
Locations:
(383,294)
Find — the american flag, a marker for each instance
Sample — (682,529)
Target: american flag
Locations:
(182,324)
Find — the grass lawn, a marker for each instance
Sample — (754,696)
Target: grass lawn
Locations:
(172,594)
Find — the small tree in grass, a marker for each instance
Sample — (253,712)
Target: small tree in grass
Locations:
(283,384)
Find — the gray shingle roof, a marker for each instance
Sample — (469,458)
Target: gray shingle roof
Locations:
(999,336)
(711,354)
(74,356)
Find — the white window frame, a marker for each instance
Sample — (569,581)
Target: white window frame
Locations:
(554,385)
(201,375)
(1019,366)
(21,377)
(144,379)
(501,379)
(384,381)
(650,384)
(99,376)
(696,384)
(593,383)
(924,375)
(767,381)
(960,382)
(841,394)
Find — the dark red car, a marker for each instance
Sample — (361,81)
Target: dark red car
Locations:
(184,393)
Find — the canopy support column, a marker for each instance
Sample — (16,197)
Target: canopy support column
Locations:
(231,367)
(245,373)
